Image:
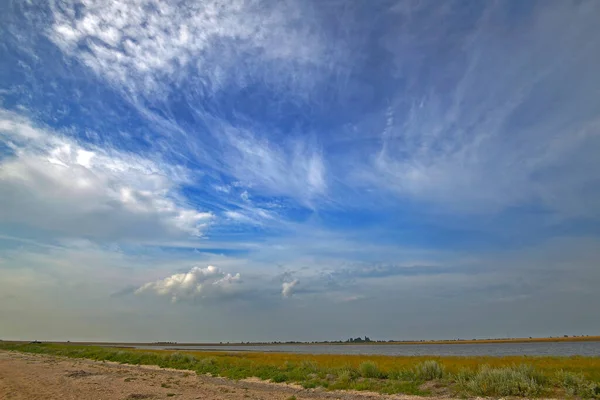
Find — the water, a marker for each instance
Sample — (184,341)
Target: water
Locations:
(475,349)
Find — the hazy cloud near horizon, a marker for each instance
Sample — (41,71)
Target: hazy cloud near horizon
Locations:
(298,170)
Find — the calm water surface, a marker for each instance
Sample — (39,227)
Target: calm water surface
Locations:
(478,349)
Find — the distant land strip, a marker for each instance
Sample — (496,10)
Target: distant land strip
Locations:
(371,342)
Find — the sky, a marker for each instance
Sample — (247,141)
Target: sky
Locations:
(252,170)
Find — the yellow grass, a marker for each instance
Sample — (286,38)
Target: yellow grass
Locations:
(589,366)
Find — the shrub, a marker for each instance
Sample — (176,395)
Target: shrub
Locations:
(594,390)
(403,375)
(149,358)
(346,375)
(207,365)
(279,377)
(531,372)
(309,384)
(369,369)
(575,384)
(118,356)
(208,361)
(463,376)
(505,381)
(309,366)
(180,358)
(288,366)
(429,370)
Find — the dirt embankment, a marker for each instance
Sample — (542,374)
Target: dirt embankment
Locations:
(32,376)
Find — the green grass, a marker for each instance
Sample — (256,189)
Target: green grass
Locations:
(575,377)
(575,384)
(429,370)
(369,369)
(519,380)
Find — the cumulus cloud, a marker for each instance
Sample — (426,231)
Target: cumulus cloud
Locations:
(210,282)
(287,288)
(51,182)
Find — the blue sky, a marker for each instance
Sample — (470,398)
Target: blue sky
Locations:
(298,170)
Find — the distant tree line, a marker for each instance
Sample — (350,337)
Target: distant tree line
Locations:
(359,340)
(366,339)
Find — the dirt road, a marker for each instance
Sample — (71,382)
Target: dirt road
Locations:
(33,376)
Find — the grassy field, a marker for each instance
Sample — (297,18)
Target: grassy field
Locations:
(577,377)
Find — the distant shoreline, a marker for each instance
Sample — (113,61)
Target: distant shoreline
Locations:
(378,343)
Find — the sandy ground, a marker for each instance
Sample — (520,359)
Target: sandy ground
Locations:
(32,376)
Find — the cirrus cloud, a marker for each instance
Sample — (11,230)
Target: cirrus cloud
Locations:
(140,44)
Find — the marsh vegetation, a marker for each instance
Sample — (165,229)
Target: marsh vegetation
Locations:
(577,377)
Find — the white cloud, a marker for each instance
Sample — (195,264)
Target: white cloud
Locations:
(53,183)
(296,169)
(486,131)
(141,44)
(287,288)
(209,282)
(250,215)
(222,188)
(352,298)
(148,47)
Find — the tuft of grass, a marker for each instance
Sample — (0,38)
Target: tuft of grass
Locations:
(429,370)
(369,369)
(519,380)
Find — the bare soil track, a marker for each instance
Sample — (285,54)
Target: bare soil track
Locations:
(33,376)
